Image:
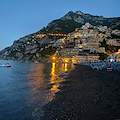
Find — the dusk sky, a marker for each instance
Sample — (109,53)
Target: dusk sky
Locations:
(22,17)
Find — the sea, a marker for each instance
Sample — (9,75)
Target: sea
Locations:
(26,87)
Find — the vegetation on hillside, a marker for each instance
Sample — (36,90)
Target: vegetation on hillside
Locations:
(109,49)
(103,56)
(48,52)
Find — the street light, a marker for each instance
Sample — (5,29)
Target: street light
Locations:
(53,58)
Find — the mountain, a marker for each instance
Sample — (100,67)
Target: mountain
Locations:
(73,20)
(37,45)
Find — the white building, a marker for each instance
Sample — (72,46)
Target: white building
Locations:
(113,42)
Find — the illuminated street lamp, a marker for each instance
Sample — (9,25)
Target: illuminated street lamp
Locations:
(66,61)
(53,58)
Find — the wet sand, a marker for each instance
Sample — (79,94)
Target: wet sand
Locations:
(86,94)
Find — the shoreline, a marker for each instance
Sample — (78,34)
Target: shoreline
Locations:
(86,94)
(43,59)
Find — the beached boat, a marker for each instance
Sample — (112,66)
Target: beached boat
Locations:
(109,68)
(97,66)
(5,65)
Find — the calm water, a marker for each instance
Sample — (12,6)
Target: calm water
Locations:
(25,87)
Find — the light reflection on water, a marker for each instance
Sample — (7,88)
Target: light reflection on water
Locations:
(36,77)
(45,82)
(54,80)
(46,87)
(66,67)
(25,87)
(57,69)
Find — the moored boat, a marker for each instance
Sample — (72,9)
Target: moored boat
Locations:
(5,65)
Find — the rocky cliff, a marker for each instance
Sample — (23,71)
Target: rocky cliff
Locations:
(28,48)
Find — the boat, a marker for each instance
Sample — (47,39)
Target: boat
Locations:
(97,67)
(5,65)
(109,68)
(36,62)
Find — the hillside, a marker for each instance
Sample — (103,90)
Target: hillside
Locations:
(37,45)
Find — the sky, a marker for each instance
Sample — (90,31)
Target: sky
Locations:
(22,17)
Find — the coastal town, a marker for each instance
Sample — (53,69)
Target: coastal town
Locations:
(60,60)
(88,43)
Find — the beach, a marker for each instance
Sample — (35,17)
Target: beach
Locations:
(86,94)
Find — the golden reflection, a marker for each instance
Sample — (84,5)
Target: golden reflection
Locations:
(53,69)
(63,67)
(39,84)
(66,67)
(55,87)
(53,73)
(53,78)
(36,76)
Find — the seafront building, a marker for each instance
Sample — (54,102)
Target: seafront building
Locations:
(83,44)
(113,42)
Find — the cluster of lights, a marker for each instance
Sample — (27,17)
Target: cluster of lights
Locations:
(66,61)
(58,34)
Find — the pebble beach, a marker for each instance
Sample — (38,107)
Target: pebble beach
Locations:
(86,94)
